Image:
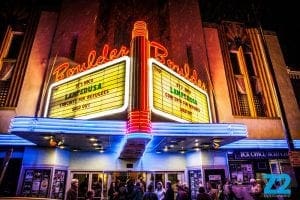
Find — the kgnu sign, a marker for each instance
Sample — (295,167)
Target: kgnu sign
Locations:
(277,185)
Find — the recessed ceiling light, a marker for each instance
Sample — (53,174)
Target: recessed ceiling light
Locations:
(47,137)
(101,150)
(196,148)
(182,151)
(218,140)
(92,139)
(205,145)
(166,148)
(158,151)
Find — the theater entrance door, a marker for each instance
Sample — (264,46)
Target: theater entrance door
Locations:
(99,182)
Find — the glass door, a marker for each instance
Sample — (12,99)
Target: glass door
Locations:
(99,182)
(99,185)
(83,183)
(96,181)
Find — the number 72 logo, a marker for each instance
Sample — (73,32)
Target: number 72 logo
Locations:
(272,179)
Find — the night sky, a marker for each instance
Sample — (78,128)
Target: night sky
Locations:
(284,19)
(275,15)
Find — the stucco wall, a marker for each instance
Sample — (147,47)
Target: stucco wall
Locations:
(34,73)
(289,101)
(258,128)
(77,19)
(37,65)
(218,77)
(110,162)
(34,157)
(186,30)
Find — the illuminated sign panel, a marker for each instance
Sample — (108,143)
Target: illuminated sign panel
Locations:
(100,91)
(176,98)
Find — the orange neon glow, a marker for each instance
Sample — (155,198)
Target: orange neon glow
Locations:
(144,76)
(161,53)
(64,70)
(140,29)
(139,114)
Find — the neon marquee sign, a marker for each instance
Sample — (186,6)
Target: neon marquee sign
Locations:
(95,93)
(174,97)
(159,52)
(65,70)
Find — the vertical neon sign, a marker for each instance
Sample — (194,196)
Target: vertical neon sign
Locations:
(139,110)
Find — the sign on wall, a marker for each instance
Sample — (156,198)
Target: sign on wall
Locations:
(100,91)
(259,154)
(176,98)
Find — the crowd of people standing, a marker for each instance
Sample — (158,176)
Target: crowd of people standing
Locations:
(229,191)
(137,190)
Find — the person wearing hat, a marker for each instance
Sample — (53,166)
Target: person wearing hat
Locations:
(72,193)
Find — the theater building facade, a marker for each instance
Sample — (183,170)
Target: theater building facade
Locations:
(143,90)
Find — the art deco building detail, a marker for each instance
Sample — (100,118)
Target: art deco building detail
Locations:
(248,75)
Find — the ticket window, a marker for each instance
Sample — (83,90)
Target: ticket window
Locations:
(240,172)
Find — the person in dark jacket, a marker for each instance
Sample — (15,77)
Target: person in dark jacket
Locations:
(182,193)
(169,192)
(72,193)
(122,194)
(90,195)
(138,191)
(150,195)
(130,190)
(202,195)
(113,191)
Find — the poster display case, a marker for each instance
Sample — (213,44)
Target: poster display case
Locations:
(195,180)
(36,182)
(58,185)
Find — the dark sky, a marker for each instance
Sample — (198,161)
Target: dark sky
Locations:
(275,15)
(284,19)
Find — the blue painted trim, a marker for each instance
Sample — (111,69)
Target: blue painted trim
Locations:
(256,144)
(10,139)
(112,127)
